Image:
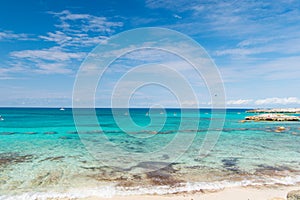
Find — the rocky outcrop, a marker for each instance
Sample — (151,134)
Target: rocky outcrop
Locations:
(273,117)
(293,195)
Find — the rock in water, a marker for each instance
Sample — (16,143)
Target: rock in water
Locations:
(293,195)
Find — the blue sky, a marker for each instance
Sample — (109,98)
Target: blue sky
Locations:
(255,44)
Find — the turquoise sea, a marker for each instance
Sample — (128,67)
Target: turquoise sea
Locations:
(43,154)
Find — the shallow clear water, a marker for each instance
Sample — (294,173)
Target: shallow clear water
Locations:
(42,154)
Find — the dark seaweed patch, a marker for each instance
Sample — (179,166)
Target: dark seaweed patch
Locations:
(50,132)
(7,133)
(48,178)
(230,164)
(93,168)
(65,138)
(166,132)
(163,176)
(53,158)
(266,168)
(193,167)
(13,158)
(140,143)
(152,165)
(227,130)
(72,132)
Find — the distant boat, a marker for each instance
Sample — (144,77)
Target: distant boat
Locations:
(1,118)
(62,109)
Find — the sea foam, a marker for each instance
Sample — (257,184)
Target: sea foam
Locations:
(111,191)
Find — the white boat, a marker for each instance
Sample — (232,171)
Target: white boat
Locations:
(1,118)
(62,109)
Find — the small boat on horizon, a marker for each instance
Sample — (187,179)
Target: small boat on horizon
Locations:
(62,109)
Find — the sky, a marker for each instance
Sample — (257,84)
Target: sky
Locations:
(254,44)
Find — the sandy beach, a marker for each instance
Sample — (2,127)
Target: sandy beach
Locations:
(236,193)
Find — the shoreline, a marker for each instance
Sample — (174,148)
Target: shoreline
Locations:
(265,192)
(233,193)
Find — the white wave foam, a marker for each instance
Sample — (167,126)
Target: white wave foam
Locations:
(111,190)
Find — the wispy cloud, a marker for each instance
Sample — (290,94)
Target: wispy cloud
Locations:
(87,22)
(280,45)
(80,30)
(73,39)
(237,20)
(74,36)
(274,101)
(47,61)
(6,72)
(10,35)
(51,54)
(278,101)
(239,102)
(286,68)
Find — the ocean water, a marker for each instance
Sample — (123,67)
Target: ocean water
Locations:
(45,153)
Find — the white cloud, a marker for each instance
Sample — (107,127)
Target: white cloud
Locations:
(239,102)
(73,32)
(54,60)
(57,37)
(73,39)
(263,21)
(180,5)
(9,35)
(282,45)
(53,68)
(276,69)
(265,101)
(67,15)
(52,54)
(5,72)
(278,101)
(80,30)
(177,16)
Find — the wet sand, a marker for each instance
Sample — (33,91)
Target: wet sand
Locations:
(236,193)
